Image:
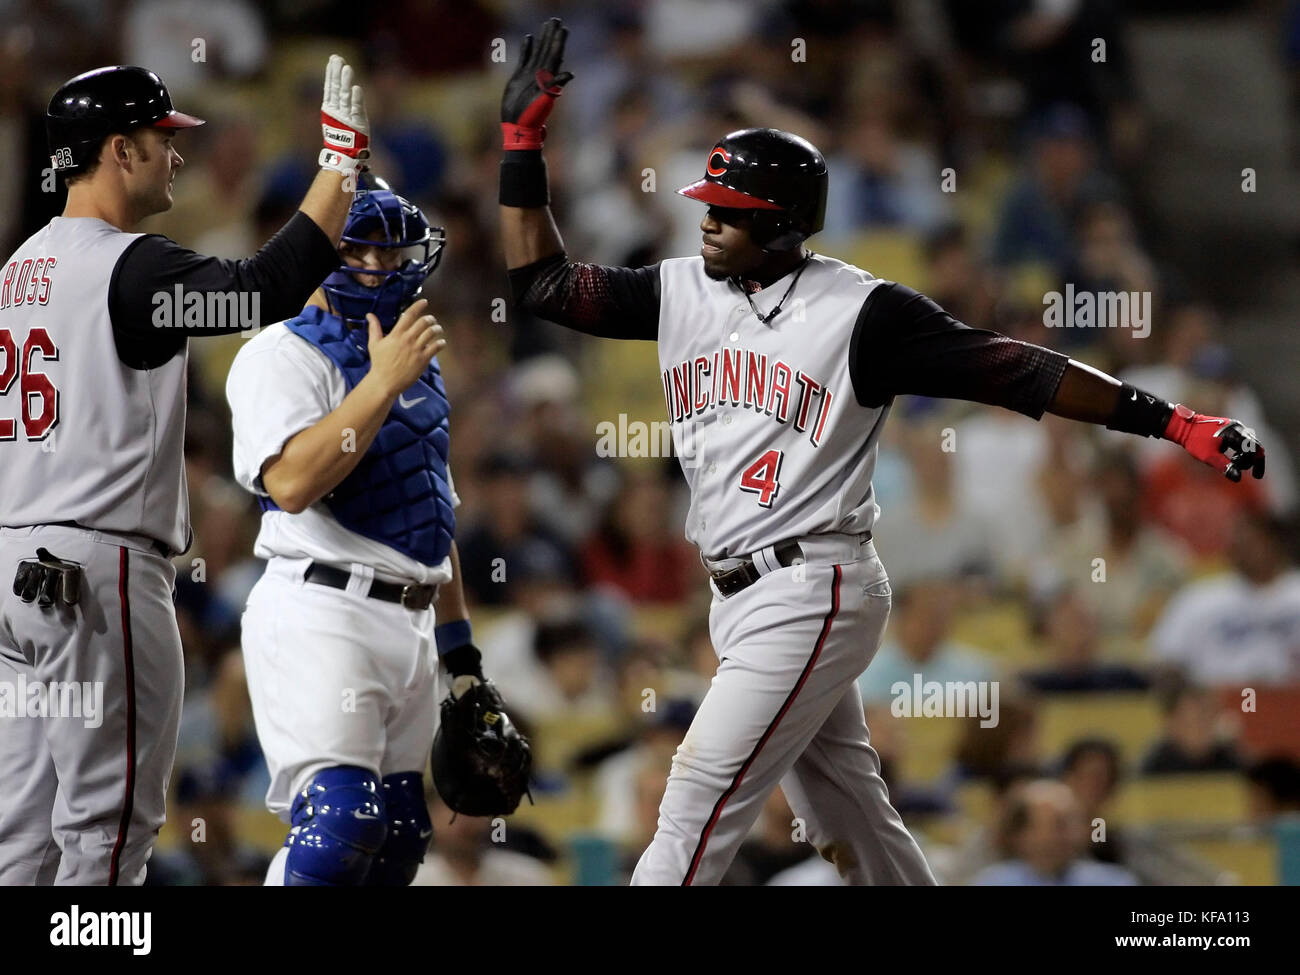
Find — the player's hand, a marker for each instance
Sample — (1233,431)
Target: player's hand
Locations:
(1227,445)
(400,357)
(343,120)
(532,89)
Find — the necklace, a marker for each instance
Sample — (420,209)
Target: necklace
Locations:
(767,319)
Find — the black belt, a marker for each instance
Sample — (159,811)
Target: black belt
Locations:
(411,595)
(732,581)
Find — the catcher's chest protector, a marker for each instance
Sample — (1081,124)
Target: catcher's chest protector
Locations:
(399,492)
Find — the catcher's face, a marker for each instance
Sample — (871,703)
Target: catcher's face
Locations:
(728,249)
(371,258)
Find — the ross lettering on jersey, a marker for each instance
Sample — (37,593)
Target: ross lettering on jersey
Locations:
(703,389)
(809,388)
(816,436)
(20,285)
(668,395)
(44,297)
(34,286)
(756,382)
(6,290)
(781,376)
(731,363)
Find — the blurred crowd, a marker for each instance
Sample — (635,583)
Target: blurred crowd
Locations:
(977,153)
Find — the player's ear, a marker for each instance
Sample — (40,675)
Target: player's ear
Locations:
(118,149)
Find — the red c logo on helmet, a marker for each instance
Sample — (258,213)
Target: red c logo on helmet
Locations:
(718,153)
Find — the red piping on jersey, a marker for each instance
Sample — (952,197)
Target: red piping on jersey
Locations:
(128,654)
(771,728)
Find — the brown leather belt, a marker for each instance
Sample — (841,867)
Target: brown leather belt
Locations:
(411,595)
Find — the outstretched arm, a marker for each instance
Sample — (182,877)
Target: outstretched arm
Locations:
(904,343)
(611,302)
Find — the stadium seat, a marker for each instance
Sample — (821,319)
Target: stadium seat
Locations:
(1208,799)
(1130,720)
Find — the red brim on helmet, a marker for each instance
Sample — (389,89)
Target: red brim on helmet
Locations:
(715,194)
(178,120)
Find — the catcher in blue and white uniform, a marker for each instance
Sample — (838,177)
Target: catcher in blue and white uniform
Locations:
(341,430)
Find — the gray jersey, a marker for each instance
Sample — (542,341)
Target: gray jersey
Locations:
(83,437)
(771,438)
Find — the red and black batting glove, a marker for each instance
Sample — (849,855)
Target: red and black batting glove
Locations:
(1227,445)
(531,91)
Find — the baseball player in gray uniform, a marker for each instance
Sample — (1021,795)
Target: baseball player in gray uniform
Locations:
(93,498)
(779,367)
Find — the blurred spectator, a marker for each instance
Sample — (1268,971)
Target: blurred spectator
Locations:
(636,549)
(880,181)
(570,483)
(562,676)
(1042,836)
(1244,624)
(773,845)
(1091,768)
(1001,750)
(1274,788)
(1039,214)
(927,531)
(435,37)
(957,279)
(1143,564)
(918,642)
(1188,363)
(192,43)
(506,536)
(465,853)
(616,777)
(1066,623)
(979,848)
(1191,740)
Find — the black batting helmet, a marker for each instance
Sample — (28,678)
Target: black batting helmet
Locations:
(92,106)
(779,176)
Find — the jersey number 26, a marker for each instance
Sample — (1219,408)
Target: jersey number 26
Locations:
(33,386)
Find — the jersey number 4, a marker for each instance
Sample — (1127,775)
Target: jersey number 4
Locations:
(34,387)
(763,478)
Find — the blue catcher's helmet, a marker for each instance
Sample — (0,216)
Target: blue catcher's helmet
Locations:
(381,218)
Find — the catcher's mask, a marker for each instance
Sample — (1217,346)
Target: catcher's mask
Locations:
(381,218)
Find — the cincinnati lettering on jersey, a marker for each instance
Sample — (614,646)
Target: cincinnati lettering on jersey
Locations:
(739,377)
(28,283)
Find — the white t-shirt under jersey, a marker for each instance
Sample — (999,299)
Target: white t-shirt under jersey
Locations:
(279,385)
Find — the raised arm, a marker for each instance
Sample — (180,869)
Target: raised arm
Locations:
(904,343)
(155,277)
(611,302)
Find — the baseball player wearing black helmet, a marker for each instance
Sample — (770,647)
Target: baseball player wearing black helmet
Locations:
(95,320)
(779,367)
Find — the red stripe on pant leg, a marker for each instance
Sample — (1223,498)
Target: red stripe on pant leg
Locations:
(740,775)
(128,655)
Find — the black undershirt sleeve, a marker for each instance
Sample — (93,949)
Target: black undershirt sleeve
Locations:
(149,325)
(609,302)
(905,344)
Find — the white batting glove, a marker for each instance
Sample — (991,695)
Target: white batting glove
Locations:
(343,120)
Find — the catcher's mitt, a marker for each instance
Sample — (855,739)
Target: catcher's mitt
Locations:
(480,760)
